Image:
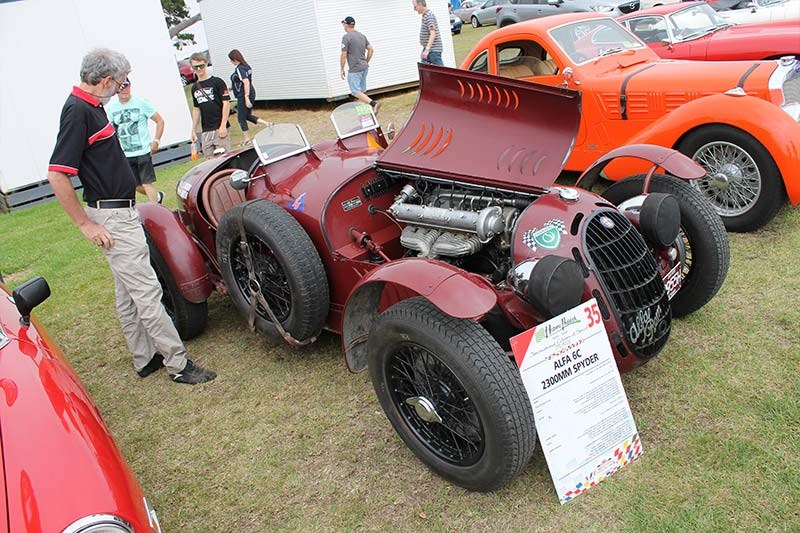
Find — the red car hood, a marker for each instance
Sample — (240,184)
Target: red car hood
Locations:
(486,129)
(784,31)
(60,463)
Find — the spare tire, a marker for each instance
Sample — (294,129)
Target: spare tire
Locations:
(289,270)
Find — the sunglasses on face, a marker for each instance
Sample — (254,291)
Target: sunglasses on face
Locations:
(198,67)
(122,86)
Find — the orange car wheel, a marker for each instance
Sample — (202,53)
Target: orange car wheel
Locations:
(743,182)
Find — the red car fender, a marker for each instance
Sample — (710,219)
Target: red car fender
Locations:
(765,121)
(670,160)
(178,250)
(60,461)
(455,292)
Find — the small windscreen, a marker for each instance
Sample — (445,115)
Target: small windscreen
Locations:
(353,118)
(280,141)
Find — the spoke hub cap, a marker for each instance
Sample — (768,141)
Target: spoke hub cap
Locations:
(424,409)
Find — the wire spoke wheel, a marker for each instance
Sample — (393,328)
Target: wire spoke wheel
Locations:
(271,278)
(434,404)
(733,181)
(451,393)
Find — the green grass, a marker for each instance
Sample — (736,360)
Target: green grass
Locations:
(287,439)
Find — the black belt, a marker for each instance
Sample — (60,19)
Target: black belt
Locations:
(111,204)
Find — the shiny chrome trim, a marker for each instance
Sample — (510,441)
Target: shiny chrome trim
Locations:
(85,524)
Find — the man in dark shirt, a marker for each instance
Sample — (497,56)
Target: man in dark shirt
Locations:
(87,146)
(356,53)
(211,108)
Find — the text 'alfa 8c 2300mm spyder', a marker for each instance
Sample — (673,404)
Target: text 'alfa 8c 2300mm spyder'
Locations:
(427,257)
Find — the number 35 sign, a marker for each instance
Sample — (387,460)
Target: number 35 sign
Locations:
(582,415)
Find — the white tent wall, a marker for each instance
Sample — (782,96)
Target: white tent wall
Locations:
(294,48)
(43,43)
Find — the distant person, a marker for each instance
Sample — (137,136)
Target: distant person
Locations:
(87,146)
(356,53)
(129,115)
(245,93)
(429,36)
(211,108)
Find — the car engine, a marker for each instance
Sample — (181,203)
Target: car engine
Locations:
(464,225)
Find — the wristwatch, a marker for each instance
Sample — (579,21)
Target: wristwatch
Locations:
(157,141)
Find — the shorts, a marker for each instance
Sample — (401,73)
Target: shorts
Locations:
(142,167)
(357,81)
(210,140)
(434,58)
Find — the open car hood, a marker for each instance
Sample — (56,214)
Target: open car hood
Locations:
(486,129)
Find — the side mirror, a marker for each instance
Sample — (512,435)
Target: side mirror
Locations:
(554,2)
(569,77)
(390,131)
(239,180)
(29,295)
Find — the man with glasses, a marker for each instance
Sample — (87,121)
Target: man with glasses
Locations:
(211,108)
(87,146)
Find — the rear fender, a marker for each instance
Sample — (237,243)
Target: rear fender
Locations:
(670,160)
(179,251)
(766,122)
(455,292)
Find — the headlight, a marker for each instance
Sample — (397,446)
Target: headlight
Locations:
(99,523)
(603,9)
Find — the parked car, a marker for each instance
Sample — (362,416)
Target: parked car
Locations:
(738,119)
(61,469)
(455,24)
(521,10)
(427,261)
(464,12)
(486,15)
(187,73)
(752,11)
(695,31)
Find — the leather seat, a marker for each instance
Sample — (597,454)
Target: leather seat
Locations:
(546,68)
(219,196)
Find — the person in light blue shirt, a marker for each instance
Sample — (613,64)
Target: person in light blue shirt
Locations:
(129,115)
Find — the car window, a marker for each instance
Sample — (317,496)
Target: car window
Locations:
(649,29)
(694,21)
(586,40)
(524,59)
(481,62)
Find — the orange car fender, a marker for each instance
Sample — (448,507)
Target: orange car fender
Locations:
(763,120)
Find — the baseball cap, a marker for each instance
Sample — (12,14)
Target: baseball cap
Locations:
(350,21)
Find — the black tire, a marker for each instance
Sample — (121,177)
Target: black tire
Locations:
(288,267)
(743,183)
(189,318)
(458,369)
(702,242)
(475,22)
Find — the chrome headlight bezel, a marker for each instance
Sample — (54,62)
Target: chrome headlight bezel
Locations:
(94,523)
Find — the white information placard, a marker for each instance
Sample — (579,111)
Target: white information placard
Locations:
(582,414)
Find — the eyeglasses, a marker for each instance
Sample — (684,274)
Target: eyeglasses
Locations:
(199,67)
(122,86)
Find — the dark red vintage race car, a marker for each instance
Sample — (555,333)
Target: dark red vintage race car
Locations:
(61,470)
(427,259)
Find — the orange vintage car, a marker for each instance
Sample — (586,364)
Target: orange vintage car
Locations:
(738,119)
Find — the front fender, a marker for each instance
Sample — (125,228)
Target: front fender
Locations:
(670,160)
(455,292)
(763,120)
(179,251)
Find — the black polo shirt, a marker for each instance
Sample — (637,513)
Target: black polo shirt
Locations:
(87,146)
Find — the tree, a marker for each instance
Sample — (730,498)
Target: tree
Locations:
(177,16)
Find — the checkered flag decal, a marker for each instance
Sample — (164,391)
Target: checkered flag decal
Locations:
(528,240)
(558,224)
(529,237)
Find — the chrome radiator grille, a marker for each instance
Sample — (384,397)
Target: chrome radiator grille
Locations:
(620,258)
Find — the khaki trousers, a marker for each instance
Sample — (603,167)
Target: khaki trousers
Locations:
(145,323)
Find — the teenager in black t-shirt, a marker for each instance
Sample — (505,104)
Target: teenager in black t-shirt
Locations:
(211,108)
